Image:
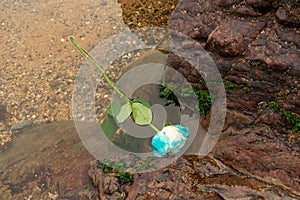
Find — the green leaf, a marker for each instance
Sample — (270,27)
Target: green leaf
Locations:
(141,114)
(142,101)
(109,111)
(124,113)
(115,107)
(109,126)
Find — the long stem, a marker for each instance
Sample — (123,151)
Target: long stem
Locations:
(101,70)
(122,95)
(154,128)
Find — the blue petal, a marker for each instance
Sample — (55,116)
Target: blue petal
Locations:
(159,145)
(176,143)
(184,130)
(157,153)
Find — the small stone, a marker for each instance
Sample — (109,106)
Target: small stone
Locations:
(21,125)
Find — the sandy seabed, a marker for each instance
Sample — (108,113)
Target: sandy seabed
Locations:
(38,63)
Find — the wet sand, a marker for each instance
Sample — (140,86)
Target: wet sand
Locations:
(39,63)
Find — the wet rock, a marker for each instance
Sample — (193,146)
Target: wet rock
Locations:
(288,37)
(199,23)
(259,52)
(238,119)
(267,49)
(226,4)
(232,37)
(54,166)
(274,161)
(260,4)
(191,177)
(110,184)
(270,118)
(282,15)
(247,11)
(288,13)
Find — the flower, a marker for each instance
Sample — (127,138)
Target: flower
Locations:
(169,139)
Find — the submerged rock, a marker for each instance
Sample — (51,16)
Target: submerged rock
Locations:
(47,161)
(191,177)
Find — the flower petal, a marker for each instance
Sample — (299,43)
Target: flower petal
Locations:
(159,145)
(184,130)
(169,139)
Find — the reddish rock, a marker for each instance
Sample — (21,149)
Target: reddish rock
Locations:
(191,177)
(247,11)
(200,21)
(260,4)
(274,161)
(282,15)
(258,49)
(226,3)
(110,184)
(255,44)
(287,37)
(55,163)
(288,13)
(232,37)
(267,49)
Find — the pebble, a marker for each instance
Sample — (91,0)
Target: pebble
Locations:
(21,125)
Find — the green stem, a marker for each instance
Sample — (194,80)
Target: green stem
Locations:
(112,85)
(101,70)
(154,128)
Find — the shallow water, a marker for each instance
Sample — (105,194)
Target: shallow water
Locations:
(42,161)
(48,161)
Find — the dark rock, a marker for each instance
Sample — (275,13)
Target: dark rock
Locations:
(260,4)
(232,37)
(226,3)
(270,118)
(288,37)
(110,184)
(274,162)
(282,15)
(198,25)
(191,177)
(54,165)
(247,11)
(255,44)
(258,49)
(288,13)
(266,48)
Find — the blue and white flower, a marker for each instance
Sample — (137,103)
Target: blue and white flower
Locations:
(170,139)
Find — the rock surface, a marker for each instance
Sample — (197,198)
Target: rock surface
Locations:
(255,44)
(47,161)
(191,177)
